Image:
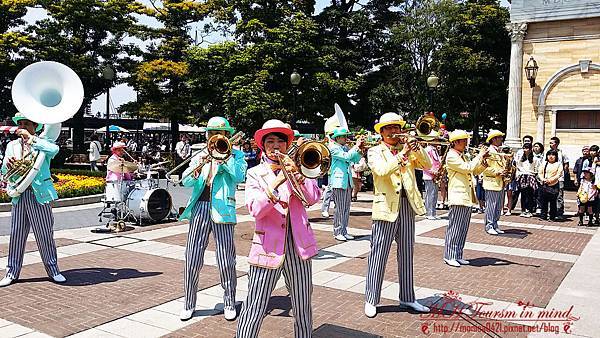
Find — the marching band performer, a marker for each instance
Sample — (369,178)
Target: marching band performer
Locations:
(429,178)
(32,208)
(340,180)
(283,240)
(211,208)
(461,184)
(493,184)
(396,202)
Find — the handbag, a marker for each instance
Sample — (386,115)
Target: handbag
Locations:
(549,189)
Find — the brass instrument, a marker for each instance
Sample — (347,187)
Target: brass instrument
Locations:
(423,128)
(218,147)
(312,159)
(504,159)
(47,93)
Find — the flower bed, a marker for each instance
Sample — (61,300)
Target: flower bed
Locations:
(70,185)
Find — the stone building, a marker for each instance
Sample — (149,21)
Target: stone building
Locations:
(563,37)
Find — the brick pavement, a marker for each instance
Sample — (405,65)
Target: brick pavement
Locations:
(102,286)
(536,239)
(32,245)
(115,286)
(330,308)
(243,234)
(490,275)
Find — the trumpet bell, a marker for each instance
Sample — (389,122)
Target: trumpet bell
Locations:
(47,92)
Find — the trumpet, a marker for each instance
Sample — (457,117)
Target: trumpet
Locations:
(312,158)
(218,148)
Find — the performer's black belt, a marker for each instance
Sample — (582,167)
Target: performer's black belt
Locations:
(205,196)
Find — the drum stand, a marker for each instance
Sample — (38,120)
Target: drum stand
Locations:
(119,211)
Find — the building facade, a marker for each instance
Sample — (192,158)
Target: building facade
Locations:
(563,37)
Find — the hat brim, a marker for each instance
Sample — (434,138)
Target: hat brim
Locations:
(490,137)
(334,136)
(260,134)
(380,125)
(16,120)
(229,130)
(462,137)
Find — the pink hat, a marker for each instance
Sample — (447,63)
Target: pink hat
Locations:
(118,145)
(273,126)
(585,148)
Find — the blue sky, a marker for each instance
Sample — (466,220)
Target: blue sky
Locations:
(122,93)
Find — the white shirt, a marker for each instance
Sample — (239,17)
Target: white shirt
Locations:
(94,150)
(183,149)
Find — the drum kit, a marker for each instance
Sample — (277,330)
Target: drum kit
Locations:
(139,201)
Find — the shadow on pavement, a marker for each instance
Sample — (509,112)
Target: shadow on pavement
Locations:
(93,276)
(494,261)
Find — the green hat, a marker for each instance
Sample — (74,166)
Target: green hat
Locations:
(19,116)
(339,131)
(297,133)
(219,123)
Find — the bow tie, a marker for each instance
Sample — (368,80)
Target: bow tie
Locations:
(275,167)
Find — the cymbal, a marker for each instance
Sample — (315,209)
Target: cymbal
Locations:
(122,167)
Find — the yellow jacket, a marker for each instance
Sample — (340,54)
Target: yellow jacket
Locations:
(491,175)
(390,176)
(461,189)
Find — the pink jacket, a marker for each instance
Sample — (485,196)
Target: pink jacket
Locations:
(435,163)
(268,243)
(113,176)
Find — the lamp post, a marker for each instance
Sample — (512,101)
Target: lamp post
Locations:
(531,69)
(295,79)
(432,82)
(108,74)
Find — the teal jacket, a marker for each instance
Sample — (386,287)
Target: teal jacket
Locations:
(339,171)
(224,184)
(42,186)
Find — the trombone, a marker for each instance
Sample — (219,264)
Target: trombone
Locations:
(218,147)
(312,159)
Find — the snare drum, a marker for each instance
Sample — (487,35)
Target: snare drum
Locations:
(149,204)
(117,191)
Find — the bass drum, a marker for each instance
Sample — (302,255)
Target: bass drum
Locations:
(149,204)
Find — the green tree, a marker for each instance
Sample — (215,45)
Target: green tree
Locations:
(87,35)
(474,67)
(161,78)
(12,41)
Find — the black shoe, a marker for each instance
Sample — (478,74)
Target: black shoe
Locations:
(580,223)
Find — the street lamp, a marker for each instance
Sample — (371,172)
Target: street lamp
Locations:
(108,74)
(295,79)
(531,69)
(432,82)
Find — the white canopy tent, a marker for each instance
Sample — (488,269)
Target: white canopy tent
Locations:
(165,126)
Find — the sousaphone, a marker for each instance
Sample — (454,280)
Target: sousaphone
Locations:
(47,93)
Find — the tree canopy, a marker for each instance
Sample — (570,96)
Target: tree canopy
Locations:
(369,56)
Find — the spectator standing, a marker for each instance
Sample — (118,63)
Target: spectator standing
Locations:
(183,148)
(549,174)
(564,162)
(94,152)
(526,180)
(577,169)
(249,154)
(586,196)
(357,170)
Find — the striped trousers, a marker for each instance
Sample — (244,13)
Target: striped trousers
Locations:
(456,232)
(201,225)
(26,214)
(261,282)
(342,199)
(493,208)
(431,196)
(403,232)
